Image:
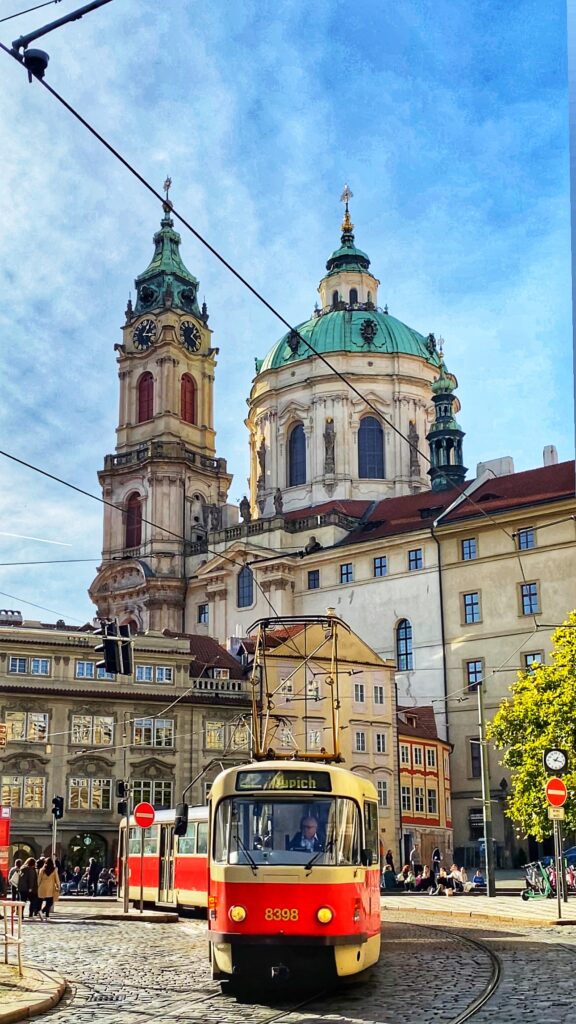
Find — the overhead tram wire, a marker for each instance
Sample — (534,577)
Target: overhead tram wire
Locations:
(254,291)
(29,10)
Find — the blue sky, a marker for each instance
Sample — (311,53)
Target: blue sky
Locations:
(449,121)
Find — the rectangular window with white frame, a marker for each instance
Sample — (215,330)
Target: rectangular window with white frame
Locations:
(92,730)
(406,798)
(19,666)
(419,799)
(382,787)
(40,666)
(86,794)
(202,614)
(85,670)
(144,673)
(380,742)
(430,757)
(23,791)
(314,739)
(404,754)
(26,726)
(379,694)
(526,538)
(101,673)
(360,741)
(164,674)
(215,735)
(432,801)
(312,689)
(153,732)
(417,756)
(469,549)
(157,793)
(359,693)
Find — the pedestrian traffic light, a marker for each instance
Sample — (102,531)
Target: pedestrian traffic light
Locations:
(126,651)
(181,820)
(58,807)
(110,648)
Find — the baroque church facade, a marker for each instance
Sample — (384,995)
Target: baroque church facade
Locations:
(358,501)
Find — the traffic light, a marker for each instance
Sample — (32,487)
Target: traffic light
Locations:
(126,652)
(110,648)
(122,792)
(181,820)
(120,788)
(58,807)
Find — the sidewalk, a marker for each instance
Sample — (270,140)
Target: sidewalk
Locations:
(36,992)
(501,908)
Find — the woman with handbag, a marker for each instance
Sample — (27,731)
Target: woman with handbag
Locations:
(48,888)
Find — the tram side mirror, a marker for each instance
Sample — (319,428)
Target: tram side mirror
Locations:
(181,820)
(366,857)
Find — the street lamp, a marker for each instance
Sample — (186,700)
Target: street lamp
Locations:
(486,803)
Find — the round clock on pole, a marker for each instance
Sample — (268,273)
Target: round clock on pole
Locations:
(555,761)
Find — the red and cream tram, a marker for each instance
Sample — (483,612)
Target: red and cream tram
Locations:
(294,872)
(173,869)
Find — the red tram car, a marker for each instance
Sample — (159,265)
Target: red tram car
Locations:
(294,879)
(173,869)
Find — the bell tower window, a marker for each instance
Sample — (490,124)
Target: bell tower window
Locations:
(145,397)
(353,296)
(335,299)
(187,399)
(133,533)
(370,449)
(297,456)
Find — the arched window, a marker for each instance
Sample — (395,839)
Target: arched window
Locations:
(133,537)
(404,656)
(369,297)
(297,456)
(145,397)
(335,298)
(245,595)
(187,399)
(370,449)
(353,296)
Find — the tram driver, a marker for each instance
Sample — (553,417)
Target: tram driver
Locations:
(307,838)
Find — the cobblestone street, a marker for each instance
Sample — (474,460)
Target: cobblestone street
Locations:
(136,971)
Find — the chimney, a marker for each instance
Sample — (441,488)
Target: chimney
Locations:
(550,455)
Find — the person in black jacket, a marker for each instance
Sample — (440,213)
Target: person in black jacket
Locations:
(94,870)
(28,886)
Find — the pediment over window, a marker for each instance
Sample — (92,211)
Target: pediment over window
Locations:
(95,766)
(19,764)
(152,769)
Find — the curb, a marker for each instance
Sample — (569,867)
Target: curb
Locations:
(148,917)
(32,1009)
(502,918)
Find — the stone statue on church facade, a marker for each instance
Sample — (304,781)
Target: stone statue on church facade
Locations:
(329,442)
(245,510)
(278,502)
(414,441)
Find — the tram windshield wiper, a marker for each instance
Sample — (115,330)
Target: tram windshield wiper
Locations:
(327,849)
(245,850)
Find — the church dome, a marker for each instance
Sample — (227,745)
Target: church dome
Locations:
(351,330)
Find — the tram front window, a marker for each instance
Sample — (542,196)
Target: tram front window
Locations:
(275,831)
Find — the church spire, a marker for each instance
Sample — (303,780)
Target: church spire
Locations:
(166,282)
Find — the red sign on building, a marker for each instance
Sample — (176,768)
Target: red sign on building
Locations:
(4,840)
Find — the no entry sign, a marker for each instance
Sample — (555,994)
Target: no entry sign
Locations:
(144,814)
(556,792)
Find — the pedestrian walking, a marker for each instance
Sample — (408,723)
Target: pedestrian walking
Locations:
(94,870)
(436,860)
(48,888)
(14,877)
(28,886)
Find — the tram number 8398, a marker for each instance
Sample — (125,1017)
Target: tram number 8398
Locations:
(281,914)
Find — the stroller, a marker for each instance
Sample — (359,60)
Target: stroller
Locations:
(538,885)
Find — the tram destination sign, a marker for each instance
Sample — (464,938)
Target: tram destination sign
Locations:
(294,779)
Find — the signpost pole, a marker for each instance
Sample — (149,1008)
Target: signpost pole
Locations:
(486,804)
(54,827)
(125,879)
(141,870)
(558,859)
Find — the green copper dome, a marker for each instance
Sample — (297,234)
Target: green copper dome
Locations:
(166,281)
(365,331)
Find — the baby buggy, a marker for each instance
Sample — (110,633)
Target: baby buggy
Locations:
(538,885)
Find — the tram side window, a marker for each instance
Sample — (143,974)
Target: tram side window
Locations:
(150,841)
(371,829)
(348,833)
(202,839)
(187,843)
(134,842)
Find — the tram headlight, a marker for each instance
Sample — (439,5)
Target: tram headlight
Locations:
(237,914)
(324,915)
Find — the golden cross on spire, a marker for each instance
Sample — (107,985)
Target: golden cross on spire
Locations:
(346,196)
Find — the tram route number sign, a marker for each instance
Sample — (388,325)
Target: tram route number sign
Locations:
(144,815)
(556,792)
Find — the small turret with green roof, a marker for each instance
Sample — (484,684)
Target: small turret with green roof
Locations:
(445,435)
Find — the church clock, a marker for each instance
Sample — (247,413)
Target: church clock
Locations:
(144,334)
(190,336)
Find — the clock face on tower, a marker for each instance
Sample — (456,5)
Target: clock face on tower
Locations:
(144,334)
(190,336)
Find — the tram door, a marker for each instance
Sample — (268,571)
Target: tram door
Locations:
(166,886)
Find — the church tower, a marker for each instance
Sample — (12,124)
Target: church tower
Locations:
(445,436)
(164,485)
